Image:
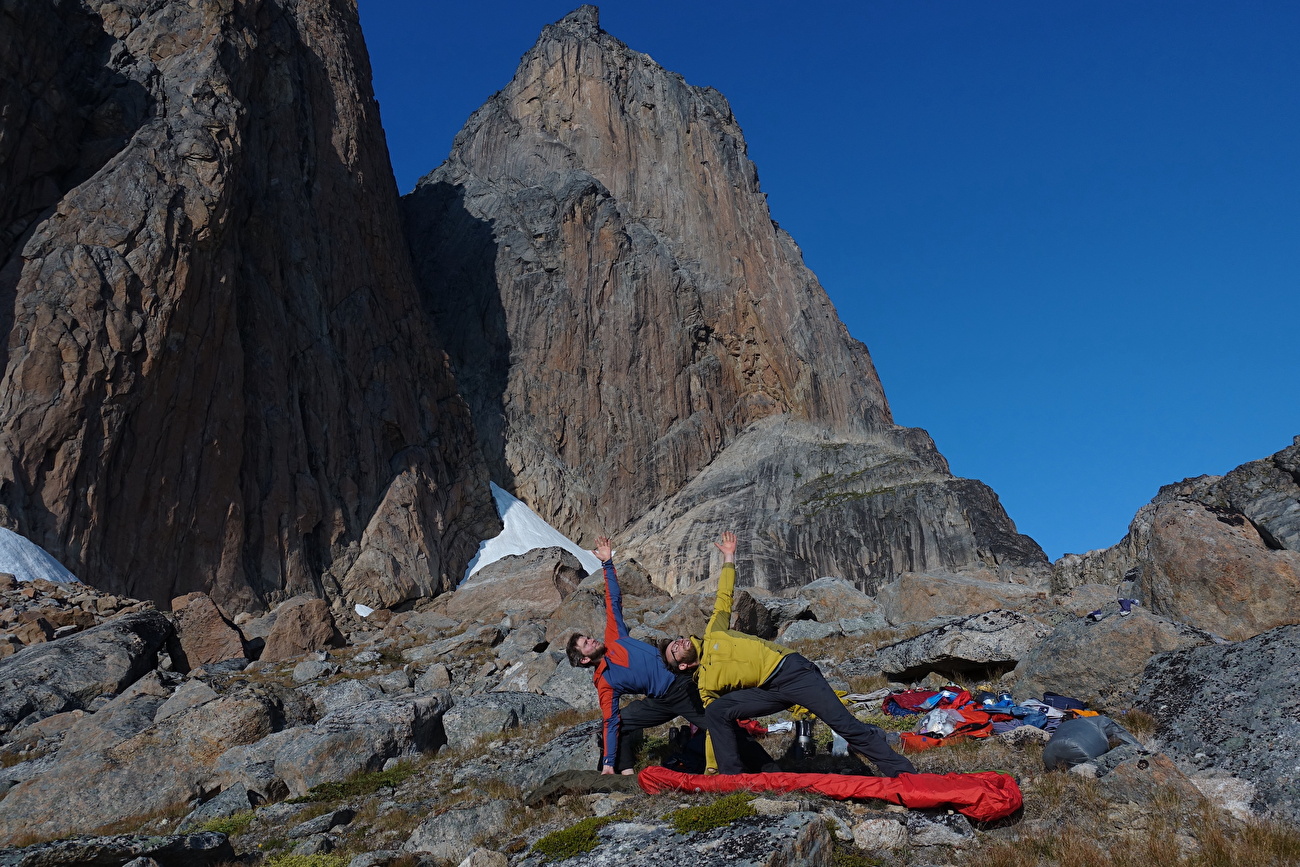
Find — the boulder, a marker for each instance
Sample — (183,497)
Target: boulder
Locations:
(572,685)
(66,674)
(1232,710)
(102,777)
(230,802)
(361,738)
(915,597)
(752,617)
(583,611)
(880,835)
(1101,662)
(531,673)
(994,639)
(832,599)
(205,635)
(449,836)
(479,716)
(1134,776)
(807,630)
(172,850)
(302,625)
(529,637)
(345,693)
(451,649)
(435,677)
(1221,553)
(528,585)
(189,694)
(1211,568)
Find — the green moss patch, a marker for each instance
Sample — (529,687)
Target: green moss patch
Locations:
(706,817)
(576,839)
(359,786)
(320,860)
(231,826)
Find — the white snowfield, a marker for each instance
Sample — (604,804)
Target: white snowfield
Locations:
(25,560)
(524,531)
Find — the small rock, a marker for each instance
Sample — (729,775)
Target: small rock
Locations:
(879,835)
(771,807)
(436,677)
(310,669)
(951,829)
(484,858)
(316,844)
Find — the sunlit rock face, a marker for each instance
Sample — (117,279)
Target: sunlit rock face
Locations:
(218,375)
(622,312)
(1221,553)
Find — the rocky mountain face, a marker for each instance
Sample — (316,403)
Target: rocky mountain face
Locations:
(644,351)
(1221,553)
(218,373)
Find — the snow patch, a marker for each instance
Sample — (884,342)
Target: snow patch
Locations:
(25,560)
(524,531)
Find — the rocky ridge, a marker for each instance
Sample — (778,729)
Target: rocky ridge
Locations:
(435,739)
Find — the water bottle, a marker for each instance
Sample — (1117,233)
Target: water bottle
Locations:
(839,746)
(805,747)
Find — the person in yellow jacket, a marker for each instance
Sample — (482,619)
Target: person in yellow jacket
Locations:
(742,676)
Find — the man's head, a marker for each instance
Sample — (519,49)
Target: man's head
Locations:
(680,654)
(583,650)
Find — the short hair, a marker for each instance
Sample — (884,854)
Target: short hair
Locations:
(689,657)
(575,655)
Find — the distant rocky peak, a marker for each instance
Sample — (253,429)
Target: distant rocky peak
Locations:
(630,326)
(583,21)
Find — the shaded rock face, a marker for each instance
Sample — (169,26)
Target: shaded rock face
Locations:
(994,639)
(620,308)
(203,283)
(1233,708)
(1221,553)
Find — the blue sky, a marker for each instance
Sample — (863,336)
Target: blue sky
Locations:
(1069,232)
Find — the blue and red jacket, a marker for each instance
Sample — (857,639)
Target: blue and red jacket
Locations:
(629,666)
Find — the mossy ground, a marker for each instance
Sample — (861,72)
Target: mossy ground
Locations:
(576,839)
(706,817)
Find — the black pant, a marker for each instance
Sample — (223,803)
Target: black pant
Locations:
(797,681)
(682,699)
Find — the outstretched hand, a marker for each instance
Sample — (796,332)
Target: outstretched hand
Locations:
(603,549)
(727,546)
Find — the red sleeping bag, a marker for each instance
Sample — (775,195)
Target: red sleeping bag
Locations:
(984,796)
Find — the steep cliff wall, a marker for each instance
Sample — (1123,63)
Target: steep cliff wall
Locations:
(218,375)
(620,308)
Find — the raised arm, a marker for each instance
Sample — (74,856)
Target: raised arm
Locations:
(614,626)
(721,618)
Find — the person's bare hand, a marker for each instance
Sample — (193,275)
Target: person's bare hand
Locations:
(727,546)
(603,549)
(607,769)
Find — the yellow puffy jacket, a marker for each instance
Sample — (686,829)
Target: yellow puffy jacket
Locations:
(730,659)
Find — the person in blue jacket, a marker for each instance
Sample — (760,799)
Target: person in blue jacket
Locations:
(627,666)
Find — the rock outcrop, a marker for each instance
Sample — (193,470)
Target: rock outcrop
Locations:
(218,375)
(68,674)
(1101,662)
(1221,553)
(1233,710)
(644,351)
